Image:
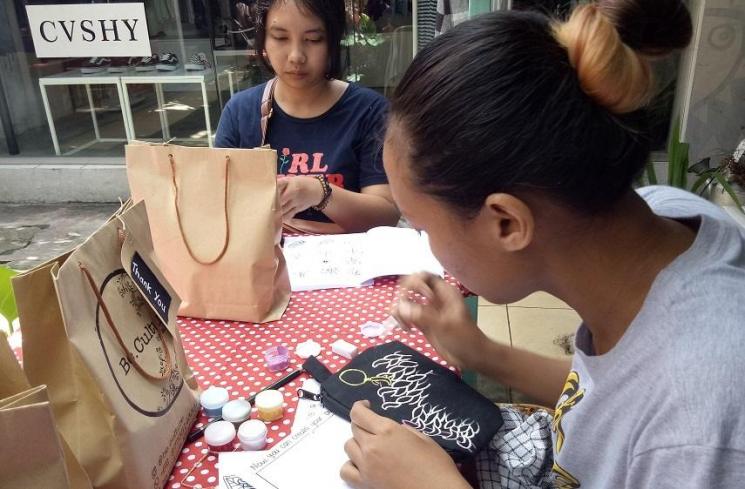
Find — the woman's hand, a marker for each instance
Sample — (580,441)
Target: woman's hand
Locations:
(386,455)
(430,304)
(296,194)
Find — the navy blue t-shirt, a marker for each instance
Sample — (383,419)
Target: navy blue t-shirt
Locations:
(345,143)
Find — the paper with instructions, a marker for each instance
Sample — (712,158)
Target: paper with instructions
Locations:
(353,260)
(310,458)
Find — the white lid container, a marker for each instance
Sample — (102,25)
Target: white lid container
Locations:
(219,434)
(270,399)
(252,435)
(214,397)
(236,411)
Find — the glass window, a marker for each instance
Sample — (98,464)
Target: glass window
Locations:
(202,53)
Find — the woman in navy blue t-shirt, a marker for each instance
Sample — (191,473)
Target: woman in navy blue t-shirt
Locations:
(327,132)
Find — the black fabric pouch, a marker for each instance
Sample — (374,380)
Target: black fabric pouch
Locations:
(407,387)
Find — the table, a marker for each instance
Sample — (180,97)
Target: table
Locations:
(87,80)
(228,354)
(158,78)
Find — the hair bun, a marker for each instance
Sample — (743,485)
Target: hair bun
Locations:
(609,43)
(651,27)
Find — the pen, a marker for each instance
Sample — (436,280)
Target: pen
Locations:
(197,434)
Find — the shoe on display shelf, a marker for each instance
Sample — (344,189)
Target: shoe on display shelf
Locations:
(95,65)
(167,62)
(197,62)
(148,63)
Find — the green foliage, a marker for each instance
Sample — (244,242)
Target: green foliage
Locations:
(677,154)
(679,168)
(7,301)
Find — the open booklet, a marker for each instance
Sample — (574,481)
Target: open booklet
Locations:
(308,458)
(353,260)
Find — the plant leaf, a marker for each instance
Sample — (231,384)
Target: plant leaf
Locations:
(705,178)
(728,188)
(7,300)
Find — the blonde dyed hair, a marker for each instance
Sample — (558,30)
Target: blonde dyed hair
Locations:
(610,72)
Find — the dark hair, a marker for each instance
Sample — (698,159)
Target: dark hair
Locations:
(497,105)
(331,12)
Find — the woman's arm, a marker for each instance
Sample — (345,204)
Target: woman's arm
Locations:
(541,378)
(447,324)
(350,211)
(358,212)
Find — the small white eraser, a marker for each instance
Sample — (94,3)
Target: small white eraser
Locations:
(347,350)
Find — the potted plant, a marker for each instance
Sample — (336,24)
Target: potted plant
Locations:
(725,183)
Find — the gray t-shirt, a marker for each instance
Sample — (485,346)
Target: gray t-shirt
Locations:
(665,408)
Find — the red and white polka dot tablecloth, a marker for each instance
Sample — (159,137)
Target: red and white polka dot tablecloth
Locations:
(229,354)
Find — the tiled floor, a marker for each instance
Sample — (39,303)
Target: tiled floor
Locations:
(540,323)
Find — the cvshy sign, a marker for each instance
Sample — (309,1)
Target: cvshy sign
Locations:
(89,30)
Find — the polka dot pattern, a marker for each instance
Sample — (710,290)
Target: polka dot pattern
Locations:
(229,354)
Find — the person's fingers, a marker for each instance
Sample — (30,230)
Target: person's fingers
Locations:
(417,315)
(289,213)
(282,184)
(362,416)
(353,451)
(350,475)
(361,436)
(443,290)
(401,323)
(417,283)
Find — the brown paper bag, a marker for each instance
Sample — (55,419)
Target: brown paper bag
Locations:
(108,347)
(31,452)
(216,225)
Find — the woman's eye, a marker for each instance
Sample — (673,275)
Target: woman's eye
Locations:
(279,38)
(320,39)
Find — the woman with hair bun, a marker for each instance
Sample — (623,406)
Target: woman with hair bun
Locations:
(514,141)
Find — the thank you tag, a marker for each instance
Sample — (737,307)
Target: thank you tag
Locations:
(150,287)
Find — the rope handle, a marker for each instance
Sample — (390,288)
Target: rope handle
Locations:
(178,213)
(130,357)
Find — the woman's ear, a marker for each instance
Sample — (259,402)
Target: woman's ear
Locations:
(509,220)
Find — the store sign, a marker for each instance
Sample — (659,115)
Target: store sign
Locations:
(89,30)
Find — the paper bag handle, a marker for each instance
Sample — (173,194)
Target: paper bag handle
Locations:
(178,213)
(130,357)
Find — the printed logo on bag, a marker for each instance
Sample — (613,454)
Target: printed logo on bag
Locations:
(149,346)
(150,287)
(89,30)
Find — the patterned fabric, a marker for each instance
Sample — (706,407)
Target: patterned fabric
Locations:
(520,455)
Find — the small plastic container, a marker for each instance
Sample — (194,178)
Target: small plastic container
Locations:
(252,435)
(307,349)
(269,403)
(236,411)
(277,358)
(212,400)
(219,436)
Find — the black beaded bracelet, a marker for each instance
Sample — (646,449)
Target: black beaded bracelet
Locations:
(326,193)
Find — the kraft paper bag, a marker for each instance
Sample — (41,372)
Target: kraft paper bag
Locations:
(99,327)
(32,452)
(217,225)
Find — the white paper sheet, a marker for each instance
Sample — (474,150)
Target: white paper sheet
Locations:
(310,458)
(353,260)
